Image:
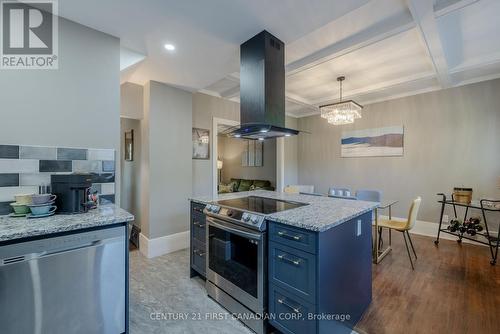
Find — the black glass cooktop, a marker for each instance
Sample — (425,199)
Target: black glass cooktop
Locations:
(260,204)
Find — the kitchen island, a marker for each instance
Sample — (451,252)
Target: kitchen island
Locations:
(65,273)
(318,257)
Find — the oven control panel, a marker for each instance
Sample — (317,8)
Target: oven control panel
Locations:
(253,220)
(212,208)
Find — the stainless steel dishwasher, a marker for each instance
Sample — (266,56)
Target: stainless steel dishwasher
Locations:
(65,285)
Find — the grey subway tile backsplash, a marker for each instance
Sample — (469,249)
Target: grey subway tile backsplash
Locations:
(101,154)
(5,208)
(9,152)
(7,193)
(71,154)
(9,180)
(34,179)
(106,199)
(108,166)
(56,166)
(18,166)
(37,152)
(107,189)
(87,166)
(103,178)
(23,169)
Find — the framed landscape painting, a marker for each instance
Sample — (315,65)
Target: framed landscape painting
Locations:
(379,142)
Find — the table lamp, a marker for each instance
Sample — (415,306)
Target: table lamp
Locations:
(219,167)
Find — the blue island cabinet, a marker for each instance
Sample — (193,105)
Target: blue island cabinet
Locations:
(319,282)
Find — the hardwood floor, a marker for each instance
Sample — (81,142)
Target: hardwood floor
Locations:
(453,289)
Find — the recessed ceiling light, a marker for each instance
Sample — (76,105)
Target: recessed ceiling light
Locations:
(261,138)
(169,47)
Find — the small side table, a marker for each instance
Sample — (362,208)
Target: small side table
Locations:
(379,254)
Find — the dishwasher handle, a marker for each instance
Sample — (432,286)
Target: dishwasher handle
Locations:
(32,256)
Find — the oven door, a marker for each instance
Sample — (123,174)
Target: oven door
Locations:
(237,262)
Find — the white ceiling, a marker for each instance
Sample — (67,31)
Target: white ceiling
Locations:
(385,48)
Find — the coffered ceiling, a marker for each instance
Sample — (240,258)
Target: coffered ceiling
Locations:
(385,48)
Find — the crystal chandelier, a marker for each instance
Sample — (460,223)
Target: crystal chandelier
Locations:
(342,112)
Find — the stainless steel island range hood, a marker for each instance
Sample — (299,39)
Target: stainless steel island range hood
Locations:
(262,89)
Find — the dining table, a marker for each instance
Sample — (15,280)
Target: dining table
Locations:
(378,253)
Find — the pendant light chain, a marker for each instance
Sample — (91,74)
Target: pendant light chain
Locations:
(340,90)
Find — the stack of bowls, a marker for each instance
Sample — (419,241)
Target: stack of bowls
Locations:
(33,206)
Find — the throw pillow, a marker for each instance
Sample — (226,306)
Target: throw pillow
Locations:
(245,185)
(225,188)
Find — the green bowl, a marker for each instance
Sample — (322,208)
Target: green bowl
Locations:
(20,208)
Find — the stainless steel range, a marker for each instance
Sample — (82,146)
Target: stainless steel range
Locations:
(237,255)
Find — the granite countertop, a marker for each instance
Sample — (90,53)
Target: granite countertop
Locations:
(321,214)
(17,228)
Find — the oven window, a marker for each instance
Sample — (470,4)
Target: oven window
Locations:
(234,258)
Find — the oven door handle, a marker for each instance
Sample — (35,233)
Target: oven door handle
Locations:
(236,231)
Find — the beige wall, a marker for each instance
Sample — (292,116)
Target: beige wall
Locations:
(131,98)
(165,160)
(205,108)
(452,138)
(230,150)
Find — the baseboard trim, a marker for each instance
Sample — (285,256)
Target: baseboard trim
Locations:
(430,229)
(163,245)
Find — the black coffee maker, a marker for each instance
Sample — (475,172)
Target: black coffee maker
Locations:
(72,192)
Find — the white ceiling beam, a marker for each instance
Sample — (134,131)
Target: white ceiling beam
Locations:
(477,63)
(377,87)
(423,13)
(444,7)
(376,33)
(300,101)
(231,92)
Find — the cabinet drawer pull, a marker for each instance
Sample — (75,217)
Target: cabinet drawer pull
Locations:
(199,253)
(294,309)
(199,224)
(288,236)
(285,259)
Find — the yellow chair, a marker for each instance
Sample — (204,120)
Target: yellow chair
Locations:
(405,226)
(291,190)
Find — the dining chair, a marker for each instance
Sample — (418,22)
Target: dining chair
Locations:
(405,226)
(369,195)
(339,192)
(291,190)
(301,188)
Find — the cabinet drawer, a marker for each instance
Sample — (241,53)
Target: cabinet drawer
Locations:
(289,314)
(293,270)
(198,227)
(294,237)
(198,257)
